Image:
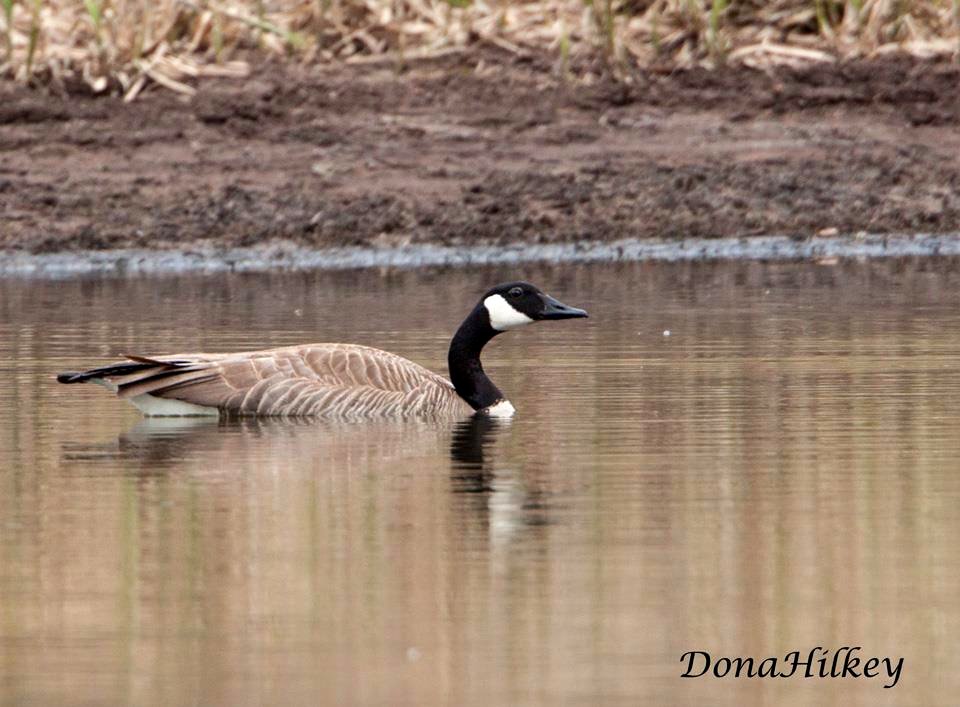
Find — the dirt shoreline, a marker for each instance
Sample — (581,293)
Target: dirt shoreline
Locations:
(483,149)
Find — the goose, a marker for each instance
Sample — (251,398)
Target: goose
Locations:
(331,380)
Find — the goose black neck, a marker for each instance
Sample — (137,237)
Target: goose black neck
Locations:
(466,372)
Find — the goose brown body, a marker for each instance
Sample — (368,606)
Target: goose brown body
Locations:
(312,380)
(331,380)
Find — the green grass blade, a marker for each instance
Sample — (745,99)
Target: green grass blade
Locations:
(8,27)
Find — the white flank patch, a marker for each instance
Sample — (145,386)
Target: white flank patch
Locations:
(502,315)
(501,409)
(152,406)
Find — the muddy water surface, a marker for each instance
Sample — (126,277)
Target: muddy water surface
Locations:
(779,472)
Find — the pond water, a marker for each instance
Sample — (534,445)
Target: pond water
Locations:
(780,472)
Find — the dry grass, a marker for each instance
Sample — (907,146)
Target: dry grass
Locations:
(126,45)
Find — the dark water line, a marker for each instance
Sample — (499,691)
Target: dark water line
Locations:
(288,257)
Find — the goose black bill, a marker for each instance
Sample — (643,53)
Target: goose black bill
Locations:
(555,309)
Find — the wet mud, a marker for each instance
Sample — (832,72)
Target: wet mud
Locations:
(484,149)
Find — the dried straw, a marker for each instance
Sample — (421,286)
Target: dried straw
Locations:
(125,46)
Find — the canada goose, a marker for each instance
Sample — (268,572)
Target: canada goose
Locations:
(332,380)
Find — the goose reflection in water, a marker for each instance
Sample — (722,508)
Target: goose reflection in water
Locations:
(503,493)
(474,451)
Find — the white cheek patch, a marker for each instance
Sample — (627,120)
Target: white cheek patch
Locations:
(502,315)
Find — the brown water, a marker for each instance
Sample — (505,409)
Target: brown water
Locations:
(781,472)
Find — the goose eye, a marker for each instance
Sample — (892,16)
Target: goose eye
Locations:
(515,292)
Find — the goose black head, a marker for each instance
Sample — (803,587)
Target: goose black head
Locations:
(516,304)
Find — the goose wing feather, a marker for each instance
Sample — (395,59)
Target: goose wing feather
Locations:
(323,380)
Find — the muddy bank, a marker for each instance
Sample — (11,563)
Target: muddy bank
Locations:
(289,257)
(483,149)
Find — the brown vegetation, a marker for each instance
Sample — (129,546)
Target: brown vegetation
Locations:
(121,46)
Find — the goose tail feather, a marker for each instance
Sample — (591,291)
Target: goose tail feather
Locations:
(134,364)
